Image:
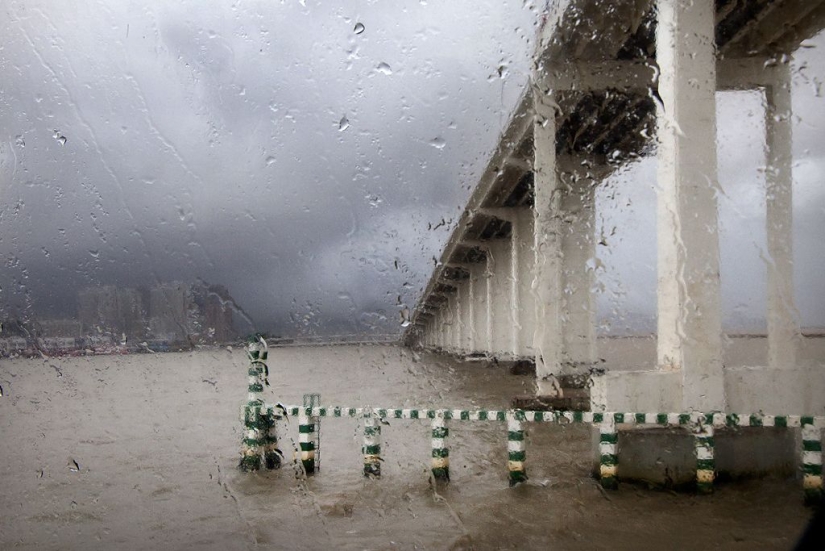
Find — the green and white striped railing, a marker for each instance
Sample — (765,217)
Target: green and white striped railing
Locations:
(701,425)
(260,441)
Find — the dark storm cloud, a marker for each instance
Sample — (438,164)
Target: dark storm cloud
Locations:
(205,142)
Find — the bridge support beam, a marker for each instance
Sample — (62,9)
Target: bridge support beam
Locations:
(689,312)
(479,297)
(783,325)
(578,244)
(466,319)
(523,224)
(437,329)
(457,321)
(547,340)
(502,304)
(451,324)
(565,255)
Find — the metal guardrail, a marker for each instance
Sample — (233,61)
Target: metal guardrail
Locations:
(331,340)
(259,446)
(701,425)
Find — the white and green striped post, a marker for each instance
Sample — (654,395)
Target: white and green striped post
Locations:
(306,440)
(608,453)
(316,440)
(252,443)
(256,424)
(515,450)
(272,455)
(372,445)
(811,460)
(441,454)
(314,401)
(705,461)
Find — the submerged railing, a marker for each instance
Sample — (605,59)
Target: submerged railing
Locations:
(260,440)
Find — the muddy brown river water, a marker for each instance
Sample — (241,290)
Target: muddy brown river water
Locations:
(139,452)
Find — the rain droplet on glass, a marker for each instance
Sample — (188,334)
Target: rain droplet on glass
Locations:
(359,28)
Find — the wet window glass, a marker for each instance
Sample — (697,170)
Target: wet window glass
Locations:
(400,275)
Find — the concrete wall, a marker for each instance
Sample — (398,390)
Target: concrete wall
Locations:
(748,389)
(666,457)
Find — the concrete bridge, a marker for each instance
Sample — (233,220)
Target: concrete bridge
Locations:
(613,81)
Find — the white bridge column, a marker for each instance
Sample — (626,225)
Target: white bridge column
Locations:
(428,332)
(472,307)
(436,329)
(689,313)
(440,333)
(509,309)
(501,298)
(523,274)
(449,324)
(578,243)
(479,299)
(547,339)
(783,324)
(458,324)
(488,279)
(505,296)
(466,316)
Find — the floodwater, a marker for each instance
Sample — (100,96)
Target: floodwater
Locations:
(140,452)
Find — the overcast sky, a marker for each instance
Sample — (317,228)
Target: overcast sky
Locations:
(279,149)
(302,154)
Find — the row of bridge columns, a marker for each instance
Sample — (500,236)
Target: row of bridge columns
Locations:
(532,295)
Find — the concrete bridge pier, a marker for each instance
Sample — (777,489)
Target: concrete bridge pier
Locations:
(578,179)
(480,293)
(503,301)
(523,224)
(603,83)
(783,325)
(547,340)
(689,299)
(467,313)
(565,260)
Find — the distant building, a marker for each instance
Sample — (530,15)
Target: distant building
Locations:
(215,306)
(111,319)
(110,309)
(172,312)
(60,328)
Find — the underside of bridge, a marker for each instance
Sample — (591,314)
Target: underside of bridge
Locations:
(612,82)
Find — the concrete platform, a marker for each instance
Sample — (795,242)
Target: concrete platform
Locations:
(665,456)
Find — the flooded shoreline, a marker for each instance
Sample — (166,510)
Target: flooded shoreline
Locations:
(155,439)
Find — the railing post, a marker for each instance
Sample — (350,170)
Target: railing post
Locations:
(257,429)
(705,461)
(608,453)
(515,450)
(272,455)
(811,460)
(306,440)
(314,401)
(372,445)
(441,454)
(251,445)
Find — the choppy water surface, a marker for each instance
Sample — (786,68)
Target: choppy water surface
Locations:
(139,452)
